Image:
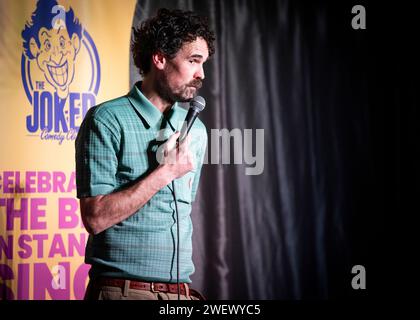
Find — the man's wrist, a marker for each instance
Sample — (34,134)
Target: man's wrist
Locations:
(165,172)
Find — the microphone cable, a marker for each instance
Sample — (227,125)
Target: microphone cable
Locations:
(177,239)
(197,105)
(177,233)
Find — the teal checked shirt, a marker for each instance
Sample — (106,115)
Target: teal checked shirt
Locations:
(115,147)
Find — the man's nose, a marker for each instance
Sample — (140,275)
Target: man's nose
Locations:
(200,73)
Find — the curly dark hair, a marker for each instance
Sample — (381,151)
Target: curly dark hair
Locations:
(166,33)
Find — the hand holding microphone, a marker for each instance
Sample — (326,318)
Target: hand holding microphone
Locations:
(176,151)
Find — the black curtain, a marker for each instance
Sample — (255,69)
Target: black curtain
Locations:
(318,88)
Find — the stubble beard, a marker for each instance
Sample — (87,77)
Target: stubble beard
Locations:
(180,95)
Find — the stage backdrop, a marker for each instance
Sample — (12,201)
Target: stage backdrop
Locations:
(317,87)
(56,61)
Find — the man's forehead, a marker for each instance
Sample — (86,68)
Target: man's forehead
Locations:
(198,47)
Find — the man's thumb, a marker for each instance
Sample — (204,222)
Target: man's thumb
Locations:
(174,136)
(172,140)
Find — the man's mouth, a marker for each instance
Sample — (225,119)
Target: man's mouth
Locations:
(197,84)
(59,73)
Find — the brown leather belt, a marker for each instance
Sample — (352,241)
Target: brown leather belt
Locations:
(149,286)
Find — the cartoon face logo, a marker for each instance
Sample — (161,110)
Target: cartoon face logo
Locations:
(61,71)
(53,38)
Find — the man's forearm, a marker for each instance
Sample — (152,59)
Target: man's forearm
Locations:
(103,211)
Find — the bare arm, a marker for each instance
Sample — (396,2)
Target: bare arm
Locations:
(103,211)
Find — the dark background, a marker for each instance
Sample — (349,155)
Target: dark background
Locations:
(336,105)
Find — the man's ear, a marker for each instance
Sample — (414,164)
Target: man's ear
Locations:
(75,40)
(159,60)
(33,47)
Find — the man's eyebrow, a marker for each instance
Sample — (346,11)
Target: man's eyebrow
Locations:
(42,33)
(196,56)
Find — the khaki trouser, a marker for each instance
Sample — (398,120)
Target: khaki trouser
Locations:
(95,292)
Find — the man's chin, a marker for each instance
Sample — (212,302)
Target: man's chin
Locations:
(187,97)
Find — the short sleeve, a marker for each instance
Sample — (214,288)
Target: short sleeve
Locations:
(96,158)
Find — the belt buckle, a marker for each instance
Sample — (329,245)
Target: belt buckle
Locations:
(152,287)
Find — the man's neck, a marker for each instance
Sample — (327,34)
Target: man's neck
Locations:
(150,93)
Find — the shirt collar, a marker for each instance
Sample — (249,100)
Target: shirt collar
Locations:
(148,111)
(175,115)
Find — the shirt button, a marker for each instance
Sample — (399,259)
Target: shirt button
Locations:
(172,205)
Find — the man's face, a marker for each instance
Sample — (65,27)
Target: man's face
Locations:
(182,76)
(55,57)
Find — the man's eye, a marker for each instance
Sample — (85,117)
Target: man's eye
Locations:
(47,45)
(62,42)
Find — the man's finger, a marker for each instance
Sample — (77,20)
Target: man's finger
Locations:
(186,142)
(171,143)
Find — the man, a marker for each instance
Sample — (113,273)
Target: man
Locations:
(126,196)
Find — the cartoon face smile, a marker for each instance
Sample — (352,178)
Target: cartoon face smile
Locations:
(59,73)
(55,57)
(53,39)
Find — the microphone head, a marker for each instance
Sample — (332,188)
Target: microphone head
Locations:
(198,103)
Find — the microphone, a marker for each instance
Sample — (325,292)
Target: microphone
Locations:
(197,104)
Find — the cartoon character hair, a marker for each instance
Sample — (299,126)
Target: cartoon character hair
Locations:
(42,17)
